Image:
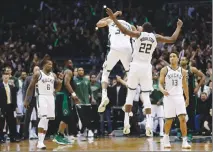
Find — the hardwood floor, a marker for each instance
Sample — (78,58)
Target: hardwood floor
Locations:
(111,144)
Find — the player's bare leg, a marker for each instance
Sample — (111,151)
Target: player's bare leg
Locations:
(149,123)
(128,109)
(183,128)
(167,127)
(147,106)
(105,99)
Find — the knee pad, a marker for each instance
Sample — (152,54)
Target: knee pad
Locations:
(105,76)
(146,100)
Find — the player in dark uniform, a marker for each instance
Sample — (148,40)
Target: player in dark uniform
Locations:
(193,89)
(65,108)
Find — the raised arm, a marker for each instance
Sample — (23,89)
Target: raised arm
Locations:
(162,81)
(123,29)
(31,88)
(106,21)
(172,38)
(185,87)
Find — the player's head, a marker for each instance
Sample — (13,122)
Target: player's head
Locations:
(80,72)
(183,61)
(69,64)
(146,27)
(47,65)
(174,58)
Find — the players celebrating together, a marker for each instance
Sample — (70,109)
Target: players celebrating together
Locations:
(75,100)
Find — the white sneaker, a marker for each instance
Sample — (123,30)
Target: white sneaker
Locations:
(161,134)
(166,142)
(149,132)
(126,129)
(185,145)
(90,133)
(31,136)
(41,145)
(35,136)
(104,103)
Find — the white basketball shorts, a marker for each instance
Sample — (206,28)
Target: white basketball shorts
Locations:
(174,106)
(114,56)
(140,73)
(46,106)
(157,111)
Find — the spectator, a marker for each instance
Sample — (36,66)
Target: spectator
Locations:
(8,105)
(84,93)
(203,107)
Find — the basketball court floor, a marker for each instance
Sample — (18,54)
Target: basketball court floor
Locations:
(112,144)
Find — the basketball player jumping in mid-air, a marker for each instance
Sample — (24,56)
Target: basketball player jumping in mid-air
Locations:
(47,83)
(173,83)
(140,67)
(120,49)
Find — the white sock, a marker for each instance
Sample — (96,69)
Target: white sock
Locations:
(18,128)
(126,118)
(104,93)
(161,123)
(149,120)
(33,130)
(41,137)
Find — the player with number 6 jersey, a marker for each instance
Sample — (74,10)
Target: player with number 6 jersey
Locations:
(47,85)
(140,67)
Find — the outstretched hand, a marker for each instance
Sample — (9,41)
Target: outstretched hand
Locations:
(110,13)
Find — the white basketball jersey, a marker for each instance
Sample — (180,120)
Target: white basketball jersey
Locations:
(118,41)
(173,81)
(144,47)
(46,84)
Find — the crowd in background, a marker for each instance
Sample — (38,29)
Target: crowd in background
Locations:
(62,28)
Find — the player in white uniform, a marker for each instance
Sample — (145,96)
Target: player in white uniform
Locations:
(120,49)
(140,67)
(47,85)
(172,84)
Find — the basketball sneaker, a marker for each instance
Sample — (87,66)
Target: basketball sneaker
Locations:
(185,144)
(61,140)
(126,129)
(166,142)
(41,145)
(149,132)
(104,103)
